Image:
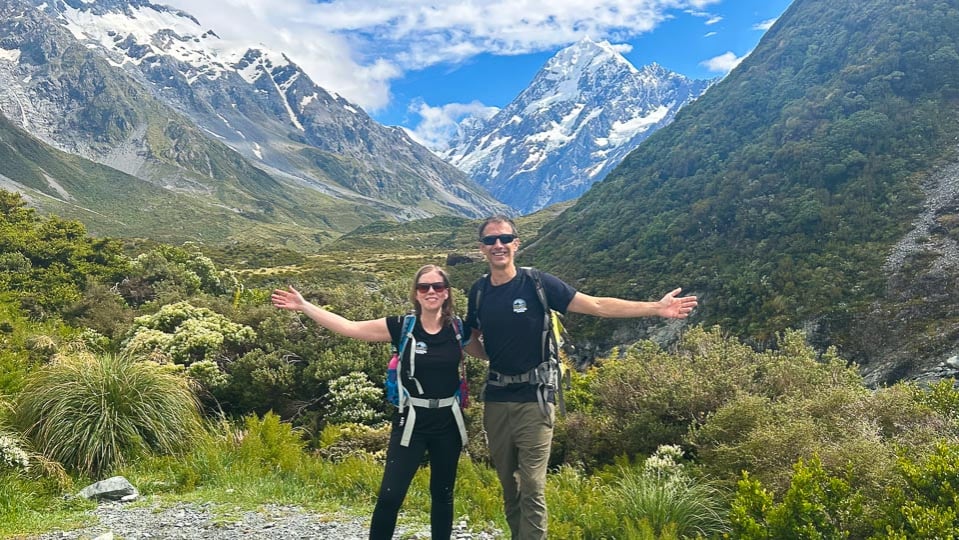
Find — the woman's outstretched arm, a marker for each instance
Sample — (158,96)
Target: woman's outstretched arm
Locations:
(372,330)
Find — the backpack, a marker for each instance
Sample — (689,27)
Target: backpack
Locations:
(399,396)
(552,373)
(394,385)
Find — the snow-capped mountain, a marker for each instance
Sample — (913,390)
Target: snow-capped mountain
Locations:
(147,90)
(583,112)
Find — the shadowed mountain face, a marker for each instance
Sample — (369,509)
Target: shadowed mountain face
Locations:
(814,187)
(147,91)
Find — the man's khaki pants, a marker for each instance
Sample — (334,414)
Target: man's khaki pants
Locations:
(519,437)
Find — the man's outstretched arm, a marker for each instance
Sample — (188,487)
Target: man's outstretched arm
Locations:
(671,306)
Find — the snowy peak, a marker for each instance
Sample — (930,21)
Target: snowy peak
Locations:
(584,56)
(101,8)
(149,88)
(137,31)
(582,113)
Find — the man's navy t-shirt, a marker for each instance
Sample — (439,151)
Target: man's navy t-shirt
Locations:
(511,319)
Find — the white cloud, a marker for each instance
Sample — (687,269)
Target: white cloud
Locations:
(764,25)
(439,124)
(722,63)
(711,19)
(709,34)
(357,47)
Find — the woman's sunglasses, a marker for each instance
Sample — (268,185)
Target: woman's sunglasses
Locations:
(503,238)
(439,286)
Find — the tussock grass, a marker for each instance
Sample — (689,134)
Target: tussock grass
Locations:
(674,505)
(95,413)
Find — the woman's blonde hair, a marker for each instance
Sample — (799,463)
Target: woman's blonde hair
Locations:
(447,310)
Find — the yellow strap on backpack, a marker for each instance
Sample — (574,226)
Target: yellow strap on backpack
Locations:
(557,327)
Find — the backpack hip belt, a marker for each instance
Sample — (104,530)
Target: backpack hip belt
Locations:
(544,373)
(453,402)
(545,377)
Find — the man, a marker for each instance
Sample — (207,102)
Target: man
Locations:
(507,327)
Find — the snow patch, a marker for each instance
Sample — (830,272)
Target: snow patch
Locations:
(251,72)
(307,100)
(10,55)
(488,155)
(622,132)
(217,135)
(162,31)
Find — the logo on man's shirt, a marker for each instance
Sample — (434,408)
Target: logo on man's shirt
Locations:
(519,306)
(420,347)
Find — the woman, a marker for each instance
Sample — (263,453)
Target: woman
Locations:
(437,354)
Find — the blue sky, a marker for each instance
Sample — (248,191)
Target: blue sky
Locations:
(424,64)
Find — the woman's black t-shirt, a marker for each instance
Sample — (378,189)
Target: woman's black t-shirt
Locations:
(437,369)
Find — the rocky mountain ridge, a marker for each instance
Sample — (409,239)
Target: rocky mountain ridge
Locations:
(148,91)
(584,111)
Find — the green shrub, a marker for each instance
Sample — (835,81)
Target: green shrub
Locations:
(926,507)
(271,443)
(648,396)
(816,505)
(187,334)
(336,442)
(259,382)
(94,413)
(850,429)
(100,308)
(208,374)
(942,397)
(353,398)
(166,272)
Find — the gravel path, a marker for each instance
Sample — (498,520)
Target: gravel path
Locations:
(191,521)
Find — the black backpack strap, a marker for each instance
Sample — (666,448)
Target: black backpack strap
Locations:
(535,274)
(550,345)
(478,297)
(406,333)
(408,323)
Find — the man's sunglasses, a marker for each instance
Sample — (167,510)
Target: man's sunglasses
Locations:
(439,286)
(503,238)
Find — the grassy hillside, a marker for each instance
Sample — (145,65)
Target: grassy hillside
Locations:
(779,194)
(112,203)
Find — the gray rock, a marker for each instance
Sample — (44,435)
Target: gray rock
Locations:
(113,489)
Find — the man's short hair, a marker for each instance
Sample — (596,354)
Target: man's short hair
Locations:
(498,218)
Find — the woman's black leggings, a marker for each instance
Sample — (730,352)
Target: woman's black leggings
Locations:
(401,465)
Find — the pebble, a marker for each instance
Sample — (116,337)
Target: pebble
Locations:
(184,521)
